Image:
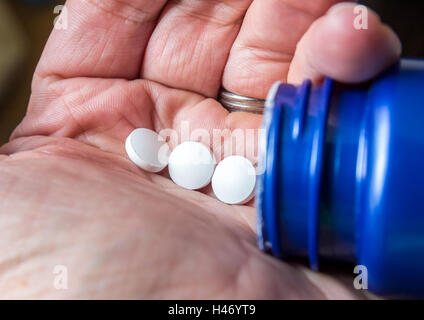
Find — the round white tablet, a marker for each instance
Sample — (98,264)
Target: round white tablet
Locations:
(191,165)
(147,149)
(234,180)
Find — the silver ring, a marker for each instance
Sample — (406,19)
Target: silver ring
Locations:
(237,103)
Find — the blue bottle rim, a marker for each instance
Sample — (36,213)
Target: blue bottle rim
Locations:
(267,222)
(269,231)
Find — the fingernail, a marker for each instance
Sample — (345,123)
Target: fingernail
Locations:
(340,7)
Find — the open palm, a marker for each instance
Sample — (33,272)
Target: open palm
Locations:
(71,198)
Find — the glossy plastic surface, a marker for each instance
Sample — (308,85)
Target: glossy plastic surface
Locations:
(344,177)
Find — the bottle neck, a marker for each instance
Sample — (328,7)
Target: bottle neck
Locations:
(342,173)
(307,195)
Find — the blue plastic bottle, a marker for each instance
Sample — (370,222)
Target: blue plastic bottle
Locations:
(344,176)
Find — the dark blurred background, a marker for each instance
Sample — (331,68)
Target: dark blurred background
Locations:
(26,24)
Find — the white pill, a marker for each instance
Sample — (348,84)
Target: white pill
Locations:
(234,180)
(191,165)
(147,149)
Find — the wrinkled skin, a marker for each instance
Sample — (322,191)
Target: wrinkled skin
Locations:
(70,196)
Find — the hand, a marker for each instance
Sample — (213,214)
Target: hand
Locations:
(71,197)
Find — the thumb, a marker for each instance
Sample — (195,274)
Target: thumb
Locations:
(336,46)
